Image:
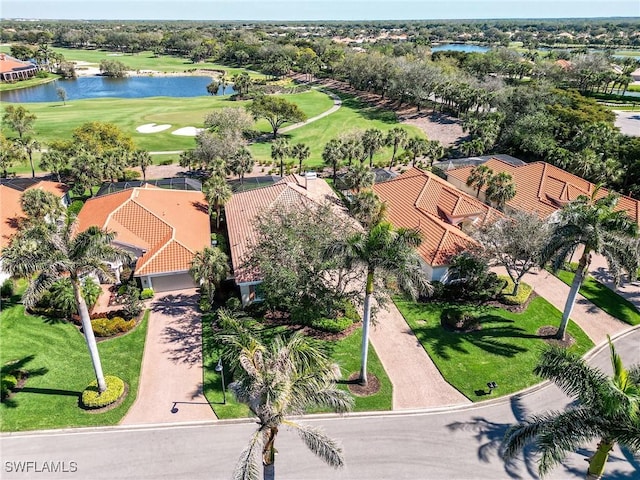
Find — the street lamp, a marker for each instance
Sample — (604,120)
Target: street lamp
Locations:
(220,369)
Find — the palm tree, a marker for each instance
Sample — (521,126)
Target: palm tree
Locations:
(286,377)
(382,249)
(372,141)
(10,153)
(600,229)
(417,147)
(500,189)
(40,205)
(241,163)
(397,137)
(209,268)
(366,207)
(435,151)
(607,410)
(300,152)
(142,159)
(29,145)
(358,177)
(479,177)
(332,155)
(55,161)
(47,252)
(279,150)
(217,192)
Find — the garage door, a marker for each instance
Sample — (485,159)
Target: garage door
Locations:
(167,283)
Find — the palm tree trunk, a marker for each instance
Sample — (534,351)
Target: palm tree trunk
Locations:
(217,217)
(33,170)
(269,455)
(598,460)
(366,320)
(583,265)
(88,335)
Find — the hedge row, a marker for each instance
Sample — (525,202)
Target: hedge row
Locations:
(107,327)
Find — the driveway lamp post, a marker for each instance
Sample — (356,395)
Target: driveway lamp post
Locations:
(220,369)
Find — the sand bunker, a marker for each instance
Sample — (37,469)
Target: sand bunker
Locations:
(187,131)
(152,128)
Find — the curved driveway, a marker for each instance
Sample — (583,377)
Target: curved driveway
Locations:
(454,444)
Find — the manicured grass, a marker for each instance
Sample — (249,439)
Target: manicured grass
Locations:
(504,351)
(603,297)
(345,352)
(32,82)
(56,356)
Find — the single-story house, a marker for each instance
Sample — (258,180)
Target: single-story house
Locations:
(163,229)
(11,211)
(243,209)
(12,69)
(541,188)
(422,200)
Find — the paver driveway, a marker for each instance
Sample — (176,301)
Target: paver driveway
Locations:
(171,374)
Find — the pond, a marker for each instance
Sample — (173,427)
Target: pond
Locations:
(104,87)
(460,47)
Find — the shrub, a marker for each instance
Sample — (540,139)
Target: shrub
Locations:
(332,325)
(7,289)
(506,295)
(107,327)
(129,175)
(91,291)
(234,304)
(459,319)
(8,383)
(91,398)
(167,162)
(146,294)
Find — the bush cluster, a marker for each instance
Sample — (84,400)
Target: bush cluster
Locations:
(7,289)
(107,327)
(91,398)
(460,319)
(8,382)
(332,325)
(146,294)
(524,292)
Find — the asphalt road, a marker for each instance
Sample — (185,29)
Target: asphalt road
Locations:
(628,122)
(449,444)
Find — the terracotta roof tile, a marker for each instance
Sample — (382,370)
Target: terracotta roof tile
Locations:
(419,199)
(543,188)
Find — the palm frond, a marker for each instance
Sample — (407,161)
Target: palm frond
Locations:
(248,465)
(320,444)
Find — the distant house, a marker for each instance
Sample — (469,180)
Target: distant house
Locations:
(12,69)
(163,229)
(635,75)
(11,212)
(422,200)
(242,211)
(541,188)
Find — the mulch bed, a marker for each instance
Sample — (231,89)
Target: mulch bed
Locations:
(547,333)
(371,388)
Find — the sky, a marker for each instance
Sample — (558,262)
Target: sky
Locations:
(314,9)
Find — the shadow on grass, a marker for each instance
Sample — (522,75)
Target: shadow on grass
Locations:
(19,367)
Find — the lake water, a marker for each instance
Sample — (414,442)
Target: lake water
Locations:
(460,47)
(105,87)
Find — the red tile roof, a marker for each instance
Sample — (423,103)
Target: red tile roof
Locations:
(419,199)
(11,212)
(544,188)
(243,208)
(10,64)
(171,225)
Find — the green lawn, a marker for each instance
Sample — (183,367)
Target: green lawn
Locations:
(604,298)
(56,356)
(505,350)
(346,352)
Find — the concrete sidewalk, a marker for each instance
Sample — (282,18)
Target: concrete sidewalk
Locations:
(600,271)
(595,322)
(171,374)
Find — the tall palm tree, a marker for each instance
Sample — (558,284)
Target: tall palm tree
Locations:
(29,145)
(209,268)
(372,141)
(500,189)
(332,155)
(217,192)
(142,159)
(358,177)
(40,205)
(366,207)
(417,146)
(598,228)
(47,252)
(479,177)
(241,163)
(279,150)
(300,152)
(397,137)
(435,151)
(607,410)
(55,161)
(286,377)
(390,252)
